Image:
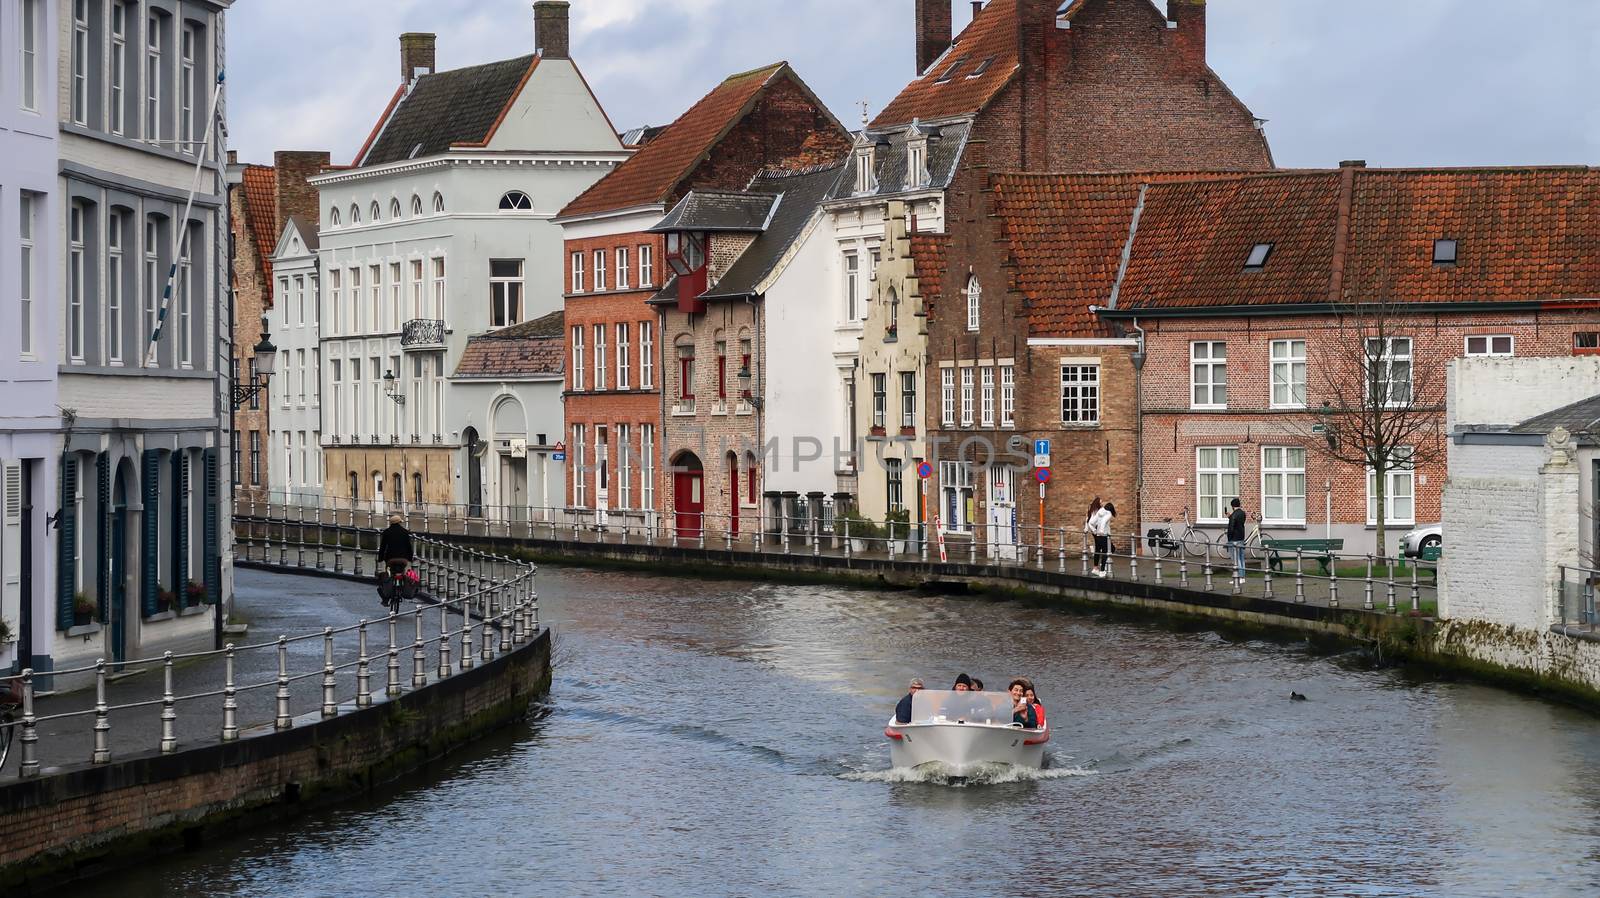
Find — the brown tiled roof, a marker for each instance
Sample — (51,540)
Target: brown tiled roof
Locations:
(1065,234)
(991,37)
(1527,234)
(530,349)
(651,175)
(929,258)
(261,213)
(461,106)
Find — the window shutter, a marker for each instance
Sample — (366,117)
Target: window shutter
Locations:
(11,538)
(102,524)
(213,546)
(66,545)
(150,492)
(180,527)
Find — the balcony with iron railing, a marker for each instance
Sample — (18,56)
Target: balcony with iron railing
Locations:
(423,333)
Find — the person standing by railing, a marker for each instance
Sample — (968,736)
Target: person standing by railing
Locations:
(1236,519)
(1100,528)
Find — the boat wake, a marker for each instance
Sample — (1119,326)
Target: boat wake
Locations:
(938,774)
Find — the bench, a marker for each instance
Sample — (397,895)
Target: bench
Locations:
(1320,549)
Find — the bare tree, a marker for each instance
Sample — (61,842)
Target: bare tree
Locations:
(1382,403)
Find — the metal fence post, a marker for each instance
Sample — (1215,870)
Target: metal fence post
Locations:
(282,720)
(1210,583)
(1061,550)
(392,684)
(419,656)
(1366,601)
(486,638)
(444,641)
(1299,576)
(1333,586)
(1084,552)
(1390,594)
(29,765)
(230,700)
(169,708)
(1416,591)
(363,669)
(330,705)
(1183,570)
(102,716)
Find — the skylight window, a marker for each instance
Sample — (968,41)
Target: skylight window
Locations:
(982,67)
(1444,251)
(951,71)
(1258,257)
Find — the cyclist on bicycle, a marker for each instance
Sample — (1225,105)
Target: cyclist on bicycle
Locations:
(396,551)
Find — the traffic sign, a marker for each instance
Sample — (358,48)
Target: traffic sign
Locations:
(1041,453)
(924,470)
(1042,475)
(558,456)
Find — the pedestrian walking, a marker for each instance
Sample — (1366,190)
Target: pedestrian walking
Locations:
(1236,519)
(1100,528)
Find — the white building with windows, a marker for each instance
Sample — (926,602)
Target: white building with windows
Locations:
(30,419)
(441,231)
(295,470)
(141,525)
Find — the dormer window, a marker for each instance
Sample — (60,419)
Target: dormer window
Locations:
(917,161)
(1444,251)
(1258,257)
(516,201)
(866,165)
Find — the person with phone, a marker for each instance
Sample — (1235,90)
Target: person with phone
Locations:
(1023,713)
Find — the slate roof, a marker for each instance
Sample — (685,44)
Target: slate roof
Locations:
(261,214)
(718,210)
(444,109)
(530,349)
(653,173)
(946,144)
(991,37)
(799,194)
(1523,235)
(308,232)
(1581,419)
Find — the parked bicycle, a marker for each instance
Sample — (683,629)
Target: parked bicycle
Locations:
(10,702)
(1196,542)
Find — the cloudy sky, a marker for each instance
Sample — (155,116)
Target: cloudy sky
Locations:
(1395,82)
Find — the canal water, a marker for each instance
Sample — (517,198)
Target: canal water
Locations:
(725,738)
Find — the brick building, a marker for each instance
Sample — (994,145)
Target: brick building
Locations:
(751,122)
(1262,297)
(1014,354)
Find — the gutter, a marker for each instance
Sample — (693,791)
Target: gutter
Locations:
(1329,308)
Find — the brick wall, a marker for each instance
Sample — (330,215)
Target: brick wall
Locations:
(295,196)
(437,467)
(787,129)
(249,304)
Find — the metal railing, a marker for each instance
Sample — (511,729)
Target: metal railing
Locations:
(422,332)
(493,596)
(1575,598)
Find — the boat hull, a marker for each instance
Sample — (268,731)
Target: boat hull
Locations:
(963,747)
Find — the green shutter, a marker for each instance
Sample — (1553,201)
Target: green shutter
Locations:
(102,527)
(213,546)
(150,492)
(180,527)
(67,545)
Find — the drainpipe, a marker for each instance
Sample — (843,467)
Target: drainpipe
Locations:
(1138,425)
(758,400)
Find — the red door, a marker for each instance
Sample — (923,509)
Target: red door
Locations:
(689,501)
(733,494)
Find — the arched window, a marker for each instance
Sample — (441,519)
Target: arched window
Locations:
(974,297)
(516,201)
(355,214)
(416,488)
(394,208)
(333,217)
(416,205)
(438,202)
(893,327)
(376,212)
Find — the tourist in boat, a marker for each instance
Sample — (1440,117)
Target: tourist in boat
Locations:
(902,711)
(1023,713)
(1033,702)
(977,685)
(963,683)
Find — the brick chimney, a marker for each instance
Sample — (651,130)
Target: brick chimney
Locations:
(934,24)
(416,55)
(295,196)
(1188,21)
(551,28)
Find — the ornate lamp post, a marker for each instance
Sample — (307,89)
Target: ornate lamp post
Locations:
(266,363)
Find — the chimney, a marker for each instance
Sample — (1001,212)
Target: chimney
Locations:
(416,55)
(1187,20)
(934,23)
(551,30)
(295,196)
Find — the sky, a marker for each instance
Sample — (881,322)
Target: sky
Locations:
(1393,82)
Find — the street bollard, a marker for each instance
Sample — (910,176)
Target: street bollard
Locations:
(330,705)
(1133,562)
(281,719)
(1266,579)
(169,708)
(391,686)
(1366,600)
(1390,596)
(29,766)
(847,550)
(102,716)
(419,655)
(230,700)
(445,668)
(1333,586)
(363,669)
(503,624)
(1157,556)
(1183,571)
(486,638)
(1085,554)
(1416,592)
(1061,550)
(1040,560)
(1210,584)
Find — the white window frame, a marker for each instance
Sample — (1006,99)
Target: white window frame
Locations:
(154,50)
(947,397)
(396,296)
(115,269)
(647,265)
(152,278)
(353,278)
(119,66)
(1488,343)
(1212,478)
(439,284)
(577,358)
(77,286)
(1080,393)
(622,268)
(880,400)
(185,333)
(1387,359)
(599,271)
(1278,469)
(974,303)
(968,389)
(28,204)
(908,399)
(419,274)
(1404,472)
(1203,390)
(956,491)
(647,355)
(188,90)
(506,294)
(375,297)
(79,96)
(335,378)
(32,31)
(647,467)
(577,272)
(852,286)
(1288,372)
(599,357)
(1008,396)
(579,487)
(624,475)
(986,416)
(624,363)
(335,305)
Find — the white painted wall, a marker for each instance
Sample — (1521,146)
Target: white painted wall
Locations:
(294,406)
(556,112)
(803,398)
(1506,391)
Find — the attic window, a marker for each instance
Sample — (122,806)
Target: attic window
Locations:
(951,71)
(1444,251)
(1258,257)
(982,67)
(516,201)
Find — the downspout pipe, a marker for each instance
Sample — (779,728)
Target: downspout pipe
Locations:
(1138,360)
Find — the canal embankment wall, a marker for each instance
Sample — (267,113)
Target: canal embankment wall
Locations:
(87,819)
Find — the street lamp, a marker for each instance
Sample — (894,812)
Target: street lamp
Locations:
(266,357)
(391,388)
(1327,427)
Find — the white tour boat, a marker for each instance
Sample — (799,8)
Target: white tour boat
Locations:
(963,731)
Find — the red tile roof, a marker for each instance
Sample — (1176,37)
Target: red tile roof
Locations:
(261,213)
(1528,234)
(651,175)
(530,349)
(992,36)
(929,258)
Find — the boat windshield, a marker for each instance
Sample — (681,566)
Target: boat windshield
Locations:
(971,707)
